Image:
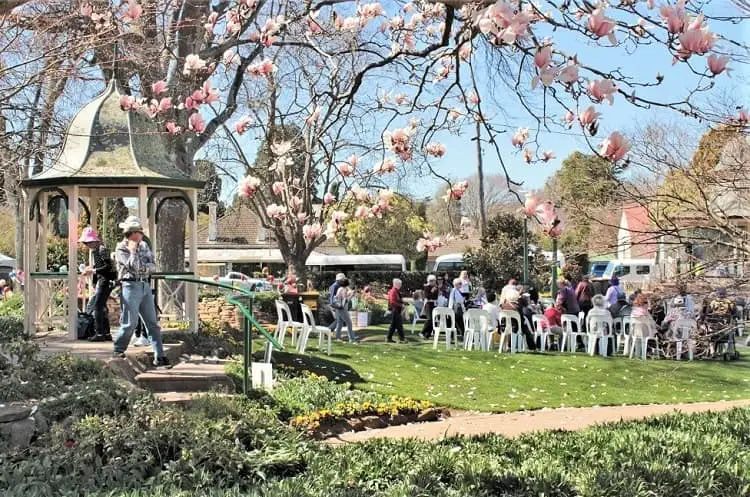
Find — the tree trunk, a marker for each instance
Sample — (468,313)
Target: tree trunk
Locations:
(170,236)
(480,180)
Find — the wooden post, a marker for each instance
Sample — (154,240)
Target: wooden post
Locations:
(73,263)
(43,227)
(192,290)
(28,267)
(94,223)
(142,208)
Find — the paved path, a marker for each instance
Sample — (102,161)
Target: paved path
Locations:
(519,423)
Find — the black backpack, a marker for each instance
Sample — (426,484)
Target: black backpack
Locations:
(85,326)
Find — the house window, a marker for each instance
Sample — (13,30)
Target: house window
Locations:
(262,234)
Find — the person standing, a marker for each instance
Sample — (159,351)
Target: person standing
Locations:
(456,302)
(396,306)
(431,294)
(332,290)
(104,275)
(465,283)
(341,304)
(510,292)
(584,294)
(135,263)
(567,296)
(613,291)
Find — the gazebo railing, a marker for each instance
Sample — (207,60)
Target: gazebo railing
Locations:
(51,291)
(171,294)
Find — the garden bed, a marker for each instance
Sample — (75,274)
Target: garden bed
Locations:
(335,426)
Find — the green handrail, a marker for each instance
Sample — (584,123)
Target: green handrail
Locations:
(247,323)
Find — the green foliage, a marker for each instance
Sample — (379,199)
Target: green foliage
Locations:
(11,328)
(265,302)
(57,254)
(108,222)
(210,341)
(12,306)
(7,226)
(310,393)
(501,255)
(396,232)
(206,171)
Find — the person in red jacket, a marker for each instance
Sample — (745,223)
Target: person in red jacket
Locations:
(396,306)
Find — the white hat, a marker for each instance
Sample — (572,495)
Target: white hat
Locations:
(131,224)
(431,278)
(340,277)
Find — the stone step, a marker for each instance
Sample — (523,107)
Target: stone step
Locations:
(187,377)
(183,399)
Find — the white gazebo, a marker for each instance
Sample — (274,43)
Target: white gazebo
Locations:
(107,153)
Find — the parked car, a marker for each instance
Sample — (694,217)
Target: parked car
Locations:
(238,279)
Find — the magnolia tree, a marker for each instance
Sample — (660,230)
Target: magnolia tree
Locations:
(372,87)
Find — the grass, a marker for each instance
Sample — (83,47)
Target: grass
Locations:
(492,382)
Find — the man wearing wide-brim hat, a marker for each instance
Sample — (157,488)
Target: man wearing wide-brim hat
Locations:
(135,263)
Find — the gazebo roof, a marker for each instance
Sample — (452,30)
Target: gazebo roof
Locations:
(106,146)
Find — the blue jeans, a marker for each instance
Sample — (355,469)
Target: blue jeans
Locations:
(136,298)
(343,317)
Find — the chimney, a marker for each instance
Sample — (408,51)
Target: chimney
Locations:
(213,227)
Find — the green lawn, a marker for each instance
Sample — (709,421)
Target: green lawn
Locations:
(502,382)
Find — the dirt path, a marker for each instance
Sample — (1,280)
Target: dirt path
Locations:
(518,423)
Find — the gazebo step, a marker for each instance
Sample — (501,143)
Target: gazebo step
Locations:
(187,377)
(183,399)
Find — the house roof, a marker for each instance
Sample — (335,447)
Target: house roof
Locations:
(105,145)
(240,227)
(456,246)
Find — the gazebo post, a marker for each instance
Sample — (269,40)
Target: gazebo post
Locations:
(29,293)
(94,222)
(143,208)
(43,227)
(73,262)
(192,290)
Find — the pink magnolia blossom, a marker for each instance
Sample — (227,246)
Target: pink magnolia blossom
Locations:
(193,63)
(233,21)
(457,191)
(569,74)
(210,94)
(520,137)
(398,141)
(387,165)
(263,68)
(548,155)
(339,216)
(600,25)
(435,149)
(248,186)
(743,116)
(295,203)
(313,25)
(528,155)
(396,22)
(546,76)
(210,23)
(465,51)
(133,12)
(230,57)
(346,169)
(696,39)
(530,204)
(328,198)
(191,104)
(353,23)
(429,243)
(276,211)
(401,99)
(173,129)
(543,57)
(158,87)
(569,117)
(278,187)
(673,16)
(269,30)
(474,98)
(588,116)
(129,102)
(360,194)
(717,64)
(196,122)
(302,217)
(362,212)
(614,147)
(243,124)
(312,231)
(602,89)
(165,104)
(454,114)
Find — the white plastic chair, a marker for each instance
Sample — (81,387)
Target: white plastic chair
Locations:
(541,330)
(416,315)
(476,329)
(601,327)
(507,319)
(309,327)
(440,317)
(569,335)
(683,331)
(284,316)
(642,330)
(740,320)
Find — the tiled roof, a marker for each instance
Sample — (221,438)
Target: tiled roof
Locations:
(456,246)
(241,227)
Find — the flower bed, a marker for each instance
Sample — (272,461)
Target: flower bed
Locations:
(352,416)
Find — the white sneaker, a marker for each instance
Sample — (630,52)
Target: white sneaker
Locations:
(133,341)
(142,341)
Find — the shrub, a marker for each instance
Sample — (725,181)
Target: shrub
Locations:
(210,341)
(11,329)
(12,306)
(353,409)
(311,392)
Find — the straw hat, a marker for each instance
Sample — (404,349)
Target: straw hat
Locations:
(89,235)
(131,225)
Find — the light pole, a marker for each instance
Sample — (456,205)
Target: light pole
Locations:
(552,223)
(530,207)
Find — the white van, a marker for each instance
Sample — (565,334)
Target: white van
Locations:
(631,270)
(449,263)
